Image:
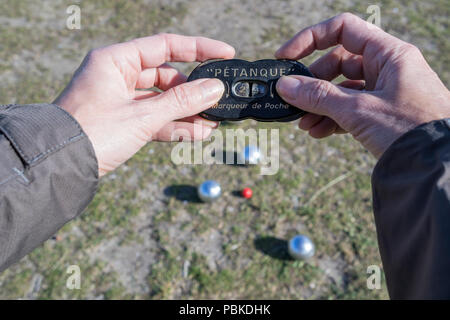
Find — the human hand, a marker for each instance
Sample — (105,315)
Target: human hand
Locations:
(118,119)
(391,88)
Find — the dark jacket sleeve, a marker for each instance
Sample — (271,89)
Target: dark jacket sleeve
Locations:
(411,200)
(48,175)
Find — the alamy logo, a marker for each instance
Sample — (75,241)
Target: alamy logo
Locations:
(374,280)
(222,149)
(74,19)
(375,15)
(74,280)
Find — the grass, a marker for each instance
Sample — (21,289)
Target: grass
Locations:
(145,224)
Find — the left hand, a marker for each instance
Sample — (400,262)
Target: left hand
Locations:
(118,119)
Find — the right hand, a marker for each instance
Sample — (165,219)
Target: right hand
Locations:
(391,89)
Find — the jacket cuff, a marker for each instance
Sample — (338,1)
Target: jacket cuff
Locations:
(411,206)
(37,130)
(413,143)
(53,176)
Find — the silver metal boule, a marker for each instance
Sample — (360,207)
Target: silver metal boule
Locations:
(250,155)
(209,191)
(301,247)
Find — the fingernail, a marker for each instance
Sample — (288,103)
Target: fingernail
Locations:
(208,123)
(213,90)
(288,87)
(206,131)
(277,53)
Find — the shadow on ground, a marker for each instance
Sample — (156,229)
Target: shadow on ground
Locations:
(229,157)
(183,192)
(273,247)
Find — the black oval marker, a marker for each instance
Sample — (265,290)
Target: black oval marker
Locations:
(250,89)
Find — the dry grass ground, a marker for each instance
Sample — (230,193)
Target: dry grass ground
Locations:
(145,236)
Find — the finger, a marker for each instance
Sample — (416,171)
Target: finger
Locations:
(202,121)
(182,101)
(153,51)
(326,127)
(356,35)
(163,77)
(309,120)
(336,62)
(144,94)
(339,130)
(332,124)
(183,131)
(318,96)
(353,84)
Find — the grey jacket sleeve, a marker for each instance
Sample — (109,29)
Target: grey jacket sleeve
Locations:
(48,175)
(411,200)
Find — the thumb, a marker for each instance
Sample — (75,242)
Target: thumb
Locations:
(187,99)
(316,96)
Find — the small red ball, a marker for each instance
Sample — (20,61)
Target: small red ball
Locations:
(247,193)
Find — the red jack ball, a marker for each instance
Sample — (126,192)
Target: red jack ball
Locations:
(247,193)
